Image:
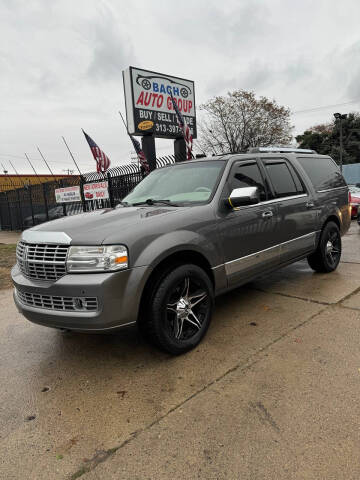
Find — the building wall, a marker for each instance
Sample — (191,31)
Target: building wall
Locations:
(10,182)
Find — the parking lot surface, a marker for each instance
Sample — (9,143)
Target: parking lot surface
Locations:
(272,391)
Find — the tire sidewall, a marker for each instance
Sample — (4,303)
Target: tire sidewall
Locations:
(158,309)
(329,227)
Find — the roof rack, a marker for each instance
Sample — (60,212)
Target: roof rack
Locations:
(279,150)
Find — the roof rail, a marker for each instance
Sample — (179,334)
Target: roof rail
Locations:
(279,150)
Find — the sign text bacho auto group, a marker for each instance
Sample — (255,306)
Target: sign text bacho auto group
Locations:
(149,107)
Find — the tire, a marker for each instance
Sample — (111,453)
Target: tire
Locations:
(180,309)
(327,256)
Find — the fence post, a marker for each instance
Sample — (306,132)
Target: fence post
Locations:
(111,197)
(9,210)
(20,211)
(1,216)
(83,201)
(64,204)
(31,204)
(45,201)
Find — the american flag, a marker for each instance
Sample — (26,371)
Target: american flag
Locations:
(141,155)
(185,128)
(102,160)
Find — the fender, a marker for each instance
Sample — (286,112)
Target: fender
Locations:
(176,241)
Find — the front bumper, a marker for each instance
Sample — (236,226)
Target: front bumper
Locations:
(118,295)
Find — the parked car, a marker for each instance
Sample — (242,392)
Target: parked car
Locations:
(53,213)
(354,197)
(187,233)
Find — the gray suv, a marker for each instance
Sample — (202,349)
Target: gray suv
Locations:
(186,233)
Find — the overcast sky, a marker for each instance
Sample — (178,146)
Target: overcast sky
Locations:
(61,64)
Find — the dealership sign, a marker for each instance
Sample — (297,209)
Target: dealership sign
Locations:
(96,191)
(67,194)
(149,107)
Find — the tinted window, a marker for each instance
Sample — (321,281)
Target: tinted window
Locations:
(248,175)
(281,179)
(323,172)
(299,186)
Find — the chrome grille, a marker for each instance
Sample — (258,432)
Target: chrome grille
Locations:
(42,261)
(70,304)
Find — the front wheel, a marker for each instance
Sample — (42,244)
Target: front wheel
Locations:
(326,257)
(181,309)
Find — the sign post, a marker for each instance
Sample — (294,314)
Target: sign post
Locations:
(148,146)
(150,112)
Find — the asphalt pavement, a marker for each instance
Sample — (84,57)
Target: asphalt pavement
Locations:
(271,393)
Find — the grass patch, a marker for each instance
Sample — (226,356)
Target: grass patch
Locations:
(7,261)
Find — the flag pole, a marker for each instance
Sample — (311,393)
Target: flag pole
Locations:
(72,156)
(31,165)
(17,173)
(46,162)
(122,118)
(143,162)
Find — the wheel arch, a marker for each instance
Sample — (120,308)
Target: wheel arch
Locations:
(331,218)
(164,266)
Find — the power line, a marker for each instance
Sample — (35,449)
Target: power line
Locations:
(324,107)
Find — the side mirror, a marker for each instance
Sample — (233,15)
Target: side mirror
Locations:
(243,196)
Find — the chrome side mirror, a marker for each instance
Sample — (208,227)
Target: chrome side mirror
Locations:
(240,197)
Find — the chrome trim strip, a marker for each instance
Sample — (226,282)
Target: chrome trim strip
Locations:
(100,329)
(331,189)
(218,266)
(275,200)
(248,261)
(38,236)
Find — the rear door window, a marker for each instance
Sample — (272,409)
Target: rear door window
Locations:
(323,172)
(285,182)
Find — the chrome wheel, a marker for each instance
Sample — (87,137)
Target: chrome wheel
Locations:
(186,309)
(333,247)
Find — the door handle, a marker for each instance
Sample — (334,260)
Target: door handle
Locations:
(267,214)
(309,205)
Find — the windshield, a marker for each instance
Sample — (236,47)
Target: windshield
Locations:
(179,184)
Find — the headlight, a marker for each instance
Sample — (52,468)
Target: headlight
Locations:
(108,258)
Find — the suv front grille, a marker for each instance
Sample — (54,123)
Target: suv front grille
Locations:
(42,261)
(51,302)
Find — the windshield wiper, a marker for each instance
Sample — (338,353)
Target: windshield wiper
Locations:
(154,201)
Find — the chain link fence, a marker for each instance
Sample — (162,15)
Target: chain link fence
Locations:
(25,207)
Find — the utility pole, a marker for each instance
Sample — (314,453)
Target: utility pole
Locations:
(7,176)
(340,117)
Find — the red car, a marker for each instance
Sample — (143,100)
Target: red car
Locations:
(354,197)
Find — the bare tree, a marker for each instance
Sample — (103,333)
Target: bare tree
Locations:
(238,121)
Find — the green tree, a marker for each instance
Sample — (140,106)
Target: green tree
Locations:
(325,139)
(235,122)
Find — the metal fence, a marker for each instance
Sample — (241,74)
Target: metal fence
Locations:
(25,207)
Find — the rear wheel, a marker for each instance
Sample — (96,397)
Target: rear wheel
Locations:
(181,309)
(327,256)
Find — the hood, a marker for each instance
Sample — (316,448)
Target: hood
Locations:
(92,228)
